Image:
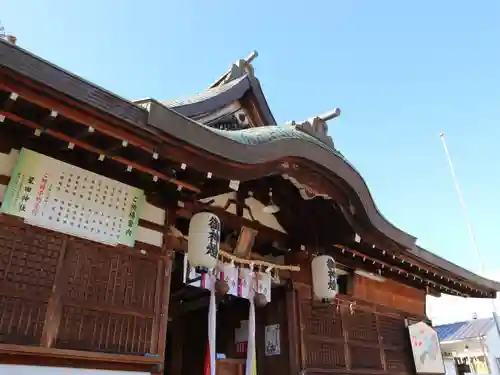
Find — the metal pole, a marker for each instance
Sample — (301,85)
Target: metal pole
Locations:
(469,225)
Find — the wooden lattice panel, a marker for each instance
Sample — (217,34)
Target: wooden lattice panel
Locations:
(392,331)
(362,326)
(325,355)
(108,299)
(365,358)
(28,260)
(323,321)
(87,329)
(104,276)
(21,321)
(398,360)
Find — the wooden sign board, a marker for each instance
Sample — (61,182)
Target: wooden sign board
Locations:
(58,196)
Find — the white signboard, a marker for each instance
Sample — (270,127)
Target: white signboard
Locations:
(241,337)
(426,350)
(59,196)
(273,344)
(44,370)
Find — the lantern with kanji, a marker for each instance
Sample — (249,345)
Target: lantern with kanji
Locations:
(324,278)
(204,241)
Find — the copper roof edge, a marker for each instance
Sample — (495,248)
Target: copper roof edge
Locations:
(27,64)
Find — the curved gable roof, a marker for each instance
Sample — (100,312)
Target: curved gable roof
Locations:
(231,86)
(211,99)
(261,145)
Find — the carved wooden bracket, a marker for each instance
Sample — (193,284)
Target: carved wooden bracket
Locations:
(246,240)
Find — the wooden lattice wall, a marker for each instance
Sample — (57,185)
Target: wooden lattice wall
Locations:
(68,293)
(336,339)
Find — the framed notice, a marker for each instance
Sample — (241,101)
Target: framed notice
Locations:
(426,349)
(59,196)
(273,342)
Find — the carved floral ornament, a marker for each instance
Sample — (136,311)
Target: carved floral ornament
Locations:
(306,192)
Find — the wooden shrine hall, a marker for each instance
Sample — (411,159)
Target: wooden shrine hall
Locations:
(197,236)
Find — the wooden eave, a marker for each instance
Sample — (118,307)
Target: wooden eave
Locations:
(156,130)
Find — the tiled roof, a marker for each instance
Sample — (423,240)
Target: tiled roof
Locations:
(464,330)
(204,95)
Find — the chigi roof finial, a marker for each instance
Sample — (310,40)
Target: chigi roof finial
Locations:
(252,57)
(330,115)
(317,126)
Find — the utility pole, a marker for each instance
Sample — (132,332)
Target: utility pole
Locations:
(469,225)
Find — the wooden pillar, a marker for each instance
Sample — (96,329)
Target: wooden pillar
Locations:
(54,307)
(164,273)
(381,343)
(178,331)
(294,352)
(345,332)
(299,290)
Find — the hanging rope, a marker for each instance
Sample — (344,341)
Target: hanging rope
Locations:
(257,263)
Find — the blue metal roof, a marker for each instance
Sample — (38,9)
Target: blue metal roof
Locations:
(464,330)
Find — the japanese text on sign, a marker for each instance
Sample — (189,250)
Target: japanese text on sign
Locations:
(332,275)
(213,237)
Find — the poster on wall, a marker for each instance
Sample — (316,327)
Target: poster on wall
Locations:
(426,350)
(273,342)
(62,197)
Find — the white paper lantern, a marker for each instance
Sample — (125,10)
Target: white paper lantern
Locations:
(324,278)
(204,240)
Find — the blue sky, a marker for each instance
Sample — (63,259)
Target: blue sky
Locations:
(401,71)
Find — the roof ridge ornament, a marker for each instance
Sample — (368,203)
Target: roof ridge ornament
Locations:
(240,68)
(317,126)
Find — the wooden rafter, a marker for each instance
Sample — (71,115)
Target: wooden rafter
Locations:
(396,269)
(97,151)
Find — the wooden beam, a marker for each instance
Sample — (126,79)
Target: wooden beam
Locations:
(10,102)
(35,351)
(235,222)
(161,309)
(246,240)
(54,307)
(97,151)
(70,110)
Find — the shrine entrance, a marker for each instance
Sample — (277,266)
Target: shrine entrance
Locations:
(187,334)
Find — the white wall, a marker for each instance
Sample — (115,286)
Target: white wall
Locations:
(491,347)
(449,366)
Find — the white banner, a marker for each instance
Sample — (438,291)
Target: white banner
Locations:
(239,279)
